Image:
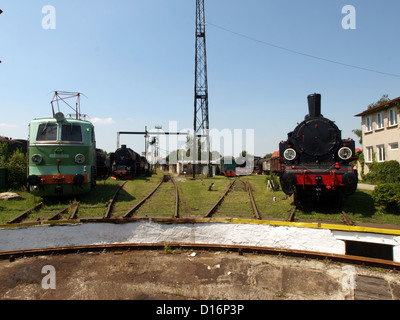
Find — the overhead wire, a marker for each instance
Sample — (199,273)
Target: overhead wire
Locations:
(299,52)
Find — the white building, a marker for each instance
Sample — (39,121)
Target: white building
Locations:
(380,132)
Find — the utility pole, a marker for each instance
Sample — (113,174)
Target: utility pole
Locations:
(201,120)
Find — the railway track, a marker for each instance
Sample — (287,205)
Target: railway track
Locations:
(238,191)
(240,249)
(112,202)
(23,217)
(73,208)
(166,179)
(240,186)
(71,211)
(346,218)
(235,187)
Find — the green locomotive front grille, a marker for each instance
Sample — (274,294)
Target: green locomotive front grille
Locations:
(60,155)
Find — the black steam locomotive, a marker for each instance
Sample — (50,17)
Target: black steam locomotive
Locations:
(315,161)
(126,163)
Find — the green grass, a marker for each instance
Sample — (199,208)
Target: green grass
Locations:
(162,203)
(270,204)
(196,200)
(12,208)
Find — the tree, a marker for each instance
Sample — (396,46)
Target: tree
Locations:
(384,99)
(16,163)
(358,133)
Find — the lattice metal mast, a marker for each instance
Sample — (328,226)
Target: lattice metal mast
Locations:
(201,119)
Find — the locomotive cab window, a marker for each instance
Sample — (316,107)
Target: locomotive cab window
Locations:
(71,133)
(47,132)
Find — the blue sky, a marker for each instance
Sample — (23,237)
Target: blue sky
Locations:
(134,60)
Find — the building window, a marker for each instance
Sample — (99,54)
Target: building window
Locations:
(370,151)
(379,121)
(392,115)
(393,146)
(380,153)
(368,124)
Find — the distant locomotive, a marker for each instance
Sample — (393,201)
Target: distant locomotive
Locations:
(126,163)
(62,156)
(315,159)
(241,166)
(228,166)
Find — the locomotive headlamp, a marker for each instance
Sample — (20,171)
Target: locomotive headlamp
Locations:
(37,159)
(289,154)
(79,158)
(345,153)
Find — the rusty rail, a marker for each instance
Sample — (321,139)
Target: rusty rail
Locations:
(74,213)
(11,255)
(291,215)
(253,203)
(176,215)
(136,207)
(214,208)
(57,216)
(347,220)
(25,214)
(112,201)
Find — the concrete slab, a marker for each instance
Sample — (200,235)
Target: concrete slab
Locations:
(371,288)
(178,275)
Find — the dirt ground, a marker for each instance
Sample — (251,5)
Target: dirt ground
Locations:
(186,275)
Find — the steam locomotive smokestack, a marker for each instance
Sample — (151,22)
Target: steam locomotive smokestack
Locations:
(314,105)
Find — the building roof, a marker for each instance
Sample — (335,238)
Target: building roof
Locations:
(377,108)
(275,154)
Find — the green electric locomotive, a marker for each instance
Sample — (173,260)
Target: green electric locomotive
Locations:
(61,155)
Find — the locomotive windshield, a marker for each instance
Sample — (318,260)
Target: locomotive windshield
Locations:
(71,132)
(47,132)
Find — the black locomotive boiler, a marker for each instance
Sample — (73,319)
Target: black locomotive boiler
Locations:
(126,163)
(315,160)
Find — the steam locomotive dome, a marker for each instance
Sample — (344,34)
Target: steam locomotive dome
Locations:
(316,136)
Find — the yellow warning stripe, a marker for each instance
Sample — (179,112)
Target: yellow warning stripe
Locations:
(317,225)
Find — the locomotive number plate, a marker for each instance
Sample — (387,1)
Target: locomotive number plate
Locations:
(59,156)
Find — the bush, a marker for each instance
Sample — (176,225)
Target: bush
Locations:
(16,163)
(387,195)
(384,172)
